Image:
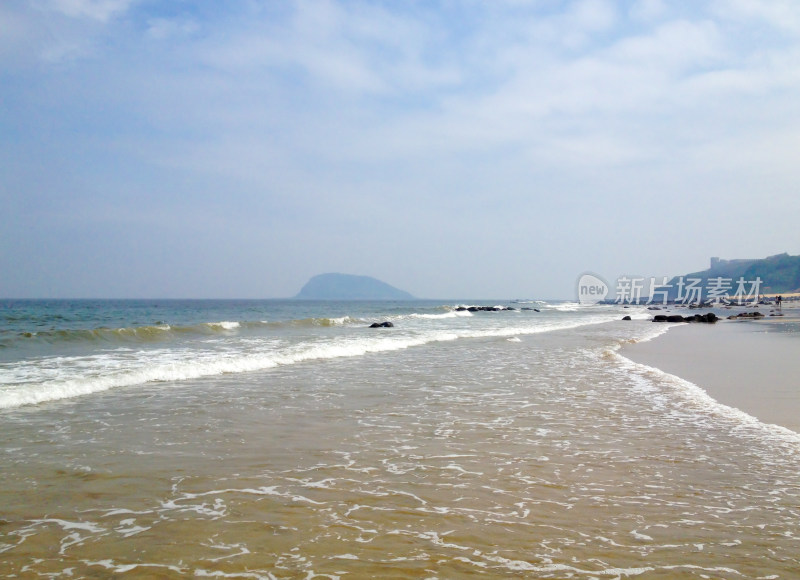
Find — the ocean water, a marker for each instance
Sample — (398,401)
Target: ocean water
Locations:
(286,439)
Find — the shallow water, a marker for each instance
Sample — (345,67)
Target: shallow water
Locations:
(539,454)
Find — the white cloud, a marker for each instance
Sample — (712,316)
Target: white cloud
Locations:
(357,49)
(313,42)
(54,31)
(778,14)
(673,47)
(647,10)
(584,20)
(101,10)
(592,15)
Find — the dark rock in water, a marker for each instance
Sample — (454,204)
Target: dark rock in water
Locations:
(536,310)
(381,325)
(710,317)
(487,308)
(707,318)
(626,318)
(755,314)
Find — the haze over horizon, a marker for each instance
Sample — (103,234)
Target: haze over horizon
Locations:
(153,149)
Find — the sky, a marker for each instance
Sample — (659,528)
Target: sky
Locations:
(453,148)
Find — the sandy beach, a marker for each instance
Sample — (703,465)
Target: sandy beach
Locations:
(752,365)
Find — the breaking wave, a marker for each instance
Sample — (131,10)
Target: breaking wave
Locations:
(40,380)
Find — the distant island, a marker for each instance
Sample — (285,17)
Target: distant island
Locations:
(349,287)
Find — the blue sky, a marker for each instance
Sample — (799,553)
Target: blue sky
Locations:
(452,149)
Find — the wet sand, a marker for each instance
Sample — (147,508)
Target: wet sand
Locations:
(750,365)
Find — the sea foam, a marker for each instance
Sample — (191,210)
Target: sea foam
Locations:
(39,381)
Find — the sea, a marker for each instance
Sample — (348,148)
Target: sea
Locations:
(289,439)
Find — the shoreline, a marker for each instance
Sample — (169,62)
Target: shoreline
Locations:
(750,365)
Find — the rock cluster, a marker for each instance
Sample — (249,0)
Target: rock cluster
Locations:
(746,315)
(381,325)
(483,308)
(710,317)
